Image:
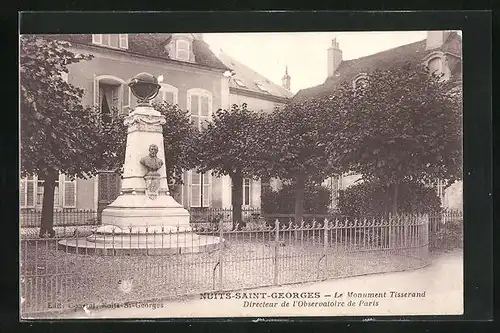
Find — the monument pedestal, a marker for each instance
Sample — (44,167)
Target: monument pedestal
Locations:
(144,217)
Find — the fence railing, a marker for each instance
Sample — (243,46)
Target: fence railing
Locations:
(446,229)
(72,271)
(30,218)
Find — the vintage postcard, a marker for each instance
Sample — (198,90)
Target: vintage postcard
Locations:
(184,175)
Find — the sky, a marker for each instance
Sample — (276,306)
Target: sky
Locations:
(303,52)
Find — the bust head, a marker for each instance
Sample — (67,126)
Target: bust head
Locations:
(153,150)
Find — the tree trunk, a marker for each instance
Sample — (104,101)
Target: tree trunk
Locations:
(237,198)
(47,223)
(300,184)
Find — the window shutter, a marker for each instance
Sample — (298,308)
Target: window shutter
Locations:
(204,106)
(97,100)
(30,192)
(207,193)
(69,200)
(22,193)
(126,98)
(105,39)
(195,105)
(124,41)
(168,97)
(97,38)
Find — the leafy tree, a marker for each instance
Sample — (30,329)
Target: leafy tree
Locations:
(57,133)
(373,199)
(296,143)
(231,145)
(404,125)
(179,140)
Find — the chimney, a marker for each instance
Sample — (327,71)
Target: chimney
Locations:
(285,80)
(436,39)
(334,57)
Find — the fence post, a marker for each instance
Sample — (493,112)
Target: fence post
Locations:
(276,245)
(221,249)
(325,236)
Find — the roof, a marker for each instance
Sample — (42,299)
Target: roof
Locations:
(251,79)
(385,60)
(153,45)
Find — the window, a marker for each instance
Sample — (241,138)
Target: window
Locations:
(360,81)
(182,50)
(111,94)
(200,106)
(437,64)
(111,40)
(246,192)
(241,84)
(40,190)
(27,191)
(262,88)
(31,192)
(167,93)
(200,189)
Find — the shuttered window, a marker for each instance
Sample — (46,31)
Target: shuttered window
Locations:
(200,189)
(111,40)
(69,187)
(167,94)
(246,192)
(200,106)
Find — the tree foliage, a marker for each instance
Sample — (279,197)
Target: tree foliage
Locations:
(231,144)
(316,200)
(374,199)
(179,140)
(402,126)
(296,145)
(58,134)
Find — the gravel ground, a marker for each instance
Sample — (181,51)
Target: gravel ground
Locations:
(53,280)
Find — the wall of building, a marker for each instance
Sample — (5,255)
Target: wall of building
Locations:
(254,104)
(85,194)
(125,66)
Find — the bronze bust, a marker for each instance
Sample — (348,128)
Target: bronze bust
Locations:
(151,162)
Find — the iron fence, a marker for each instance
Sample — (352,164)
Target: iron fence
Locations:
(71,271)
(31,218)
(446,229)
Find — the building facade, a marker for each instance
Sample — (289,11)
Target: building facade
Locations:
(441,52)
(193,79)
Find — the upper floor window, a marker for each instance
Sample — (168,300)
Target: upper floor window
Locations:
(111,40)
(167,94)
(112,96)
(182,50)
(437,64)
(200,106)
(360,81)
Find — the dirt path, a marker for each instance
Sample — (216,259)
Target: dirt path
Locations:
(442,282)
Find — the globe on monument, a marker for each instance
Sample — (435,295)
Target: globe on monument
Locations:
(144,86)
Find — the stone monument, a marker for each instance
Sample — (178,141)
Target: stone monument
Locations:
(145,216)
